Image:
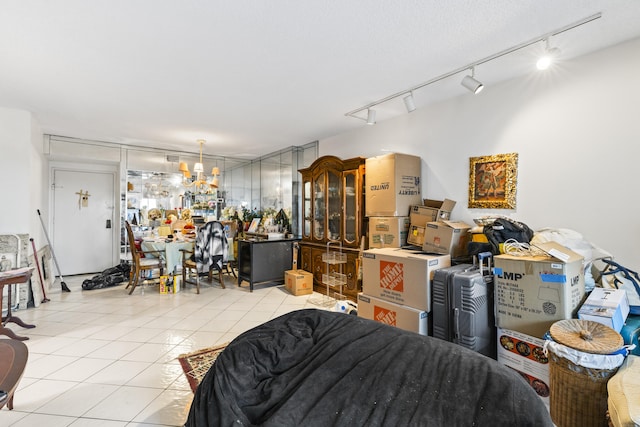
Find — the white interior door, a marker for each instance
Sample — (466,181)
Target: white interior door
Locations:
(84,229)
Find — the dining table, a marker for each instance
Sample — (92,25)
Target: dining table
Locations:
(10,277)
(170,250)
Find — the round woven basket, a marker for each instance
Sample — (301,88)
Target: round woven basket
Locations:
(578,394)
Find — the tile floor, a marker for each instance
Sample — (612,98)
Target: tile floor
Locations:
(106,358)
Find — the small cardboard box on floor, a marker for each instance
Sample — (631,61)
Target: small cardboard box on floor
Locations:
(533,292)
(446,237)
(431,210)
(401,276)
(298,282)
(393,184)
(525,354)
(388,231)
(400,316)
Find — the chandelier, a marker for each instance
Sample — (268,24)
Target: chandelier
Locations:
(199,182)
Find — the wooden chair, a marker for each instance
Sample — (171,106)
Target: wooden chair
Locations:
(190,271)
(204,249)
(13,360)
(139,265)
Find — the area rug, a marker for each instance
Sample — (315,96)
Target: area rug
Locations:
(195,365)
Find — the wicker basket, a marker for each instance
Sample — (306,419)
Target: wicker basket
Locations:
(578,394)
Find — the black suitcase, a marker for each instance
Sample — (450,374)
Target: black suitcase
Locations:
(463,306)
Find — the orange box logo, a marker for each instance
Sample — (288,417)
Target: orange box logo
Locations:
(382,315)
(392,276)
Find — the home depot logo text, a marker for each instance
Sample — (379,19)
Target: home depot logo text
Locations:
(391,276)
(382,315)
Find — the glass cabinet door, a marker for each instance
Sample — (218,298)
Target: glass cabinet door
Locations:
(306,209)
(334,204)
(350,207)
(319,210)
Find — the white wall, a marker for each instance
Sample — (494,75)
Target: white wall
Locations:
(576,130)
(22,179)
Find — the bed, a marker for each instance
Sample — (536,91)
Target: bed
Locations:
(319,368)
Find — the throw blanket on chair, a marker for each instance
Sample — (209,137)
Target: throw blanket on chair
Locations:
(211,248)
(322,368)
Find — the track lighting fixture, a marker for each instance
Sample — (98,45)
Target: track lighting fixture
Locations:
(371,117)
(468,81)
(409,103)
(471,83)
(550,54)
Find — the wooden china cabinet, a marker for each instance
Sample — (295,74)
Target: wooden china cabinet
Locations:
(333,214)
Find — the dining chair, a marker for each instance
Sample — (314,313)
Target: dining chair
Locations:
(139,263)
(210,252)
(13,360)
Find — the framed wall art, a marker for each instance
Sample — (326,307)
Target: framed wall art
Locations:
(492,181)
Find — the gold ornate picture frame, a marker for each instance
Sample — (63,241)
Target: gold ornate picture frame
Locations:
(492,181)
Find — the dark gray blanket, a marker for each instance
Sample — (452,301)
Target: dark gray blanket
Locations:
(319,368)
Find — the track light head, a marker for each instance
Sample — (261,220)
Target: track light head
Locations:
(549,56)
(471,83)
(409,102)
(371,117)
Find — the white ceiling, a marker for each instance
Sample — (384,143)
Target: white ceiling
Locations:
(255,76)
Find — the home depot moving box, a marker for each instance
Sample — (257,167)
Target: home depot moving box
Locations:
(446,237)
(401,276)
(431,210)
(400,316)
(298,282)
(532,292)
(525,354)
(388,231)
(393,184)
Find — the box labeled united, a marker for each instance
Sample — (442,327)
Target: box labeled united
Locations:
(388,231)
(393,184)
(401,276)
(400,316)
(534,291)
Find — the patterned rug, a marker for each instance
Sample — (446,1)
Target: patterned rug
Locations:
(195,365)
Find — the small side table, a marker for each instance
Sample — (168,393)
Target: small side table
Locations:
(20,275)
(13,360)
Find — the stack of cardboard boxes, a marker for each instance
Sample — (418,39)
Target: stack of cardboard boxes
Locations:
(393,184)
(531,293)
(396,282)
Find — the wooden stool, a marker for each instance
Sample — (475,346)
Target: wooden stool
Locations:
(13,359)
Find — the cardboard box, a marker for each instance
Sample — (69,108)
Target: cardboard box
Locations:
(298,282)
(393,184)
(533,292)
(401,276)
(400,316)
(431,210)
(416,235)
(446,237)
(388,231)
(607,306)
(525,354)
